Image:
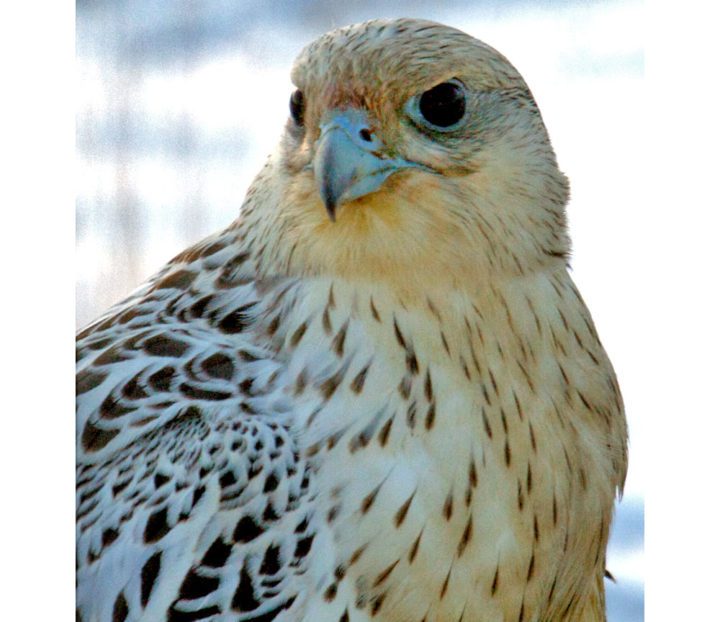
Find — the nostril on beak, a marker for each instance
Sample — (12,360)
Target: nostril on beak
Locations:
(366,135)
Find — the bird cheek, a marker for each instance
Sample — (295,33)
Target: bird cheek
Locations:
(293,154)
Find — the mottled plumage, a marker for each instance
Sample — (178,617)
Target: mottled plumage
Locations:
(378,394)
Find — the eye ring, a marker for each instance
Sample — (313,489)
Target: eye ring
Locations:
(440,108)
(297,107)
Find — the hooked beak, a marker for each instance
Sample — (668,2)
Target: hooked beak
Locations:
(350,161)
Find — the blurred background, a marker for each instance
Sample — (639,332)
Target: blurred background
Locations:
(179,103)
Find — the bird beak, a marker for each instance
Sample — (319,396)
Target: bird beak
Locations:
(350,160)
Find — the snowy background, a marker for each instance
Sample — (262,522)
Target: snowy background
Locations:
(179,103)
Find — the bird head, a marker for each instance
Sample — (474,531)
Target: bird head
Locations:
(412,152)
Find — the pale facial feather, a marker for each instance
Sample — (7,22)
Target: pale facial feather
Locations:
(493,203)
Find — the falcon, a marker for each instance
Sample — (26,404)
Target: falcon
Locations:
(377,395)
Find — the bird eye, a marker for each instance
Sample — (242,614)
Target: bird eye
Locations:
(443,105)
(297,107)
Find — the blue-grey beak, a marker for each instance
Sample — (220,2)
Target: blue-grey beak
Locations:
(350,160)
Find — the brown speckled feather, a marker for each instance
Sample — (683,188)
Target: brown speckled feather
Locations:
(378,394)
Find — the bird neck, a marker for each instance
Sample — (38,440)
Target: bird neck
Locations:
(418,232)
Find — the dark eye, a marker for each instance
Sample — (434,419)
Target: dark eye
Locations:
(297,107)
(444,104)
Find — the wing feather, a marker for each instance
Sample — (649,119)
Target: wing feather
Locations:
(193,501)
